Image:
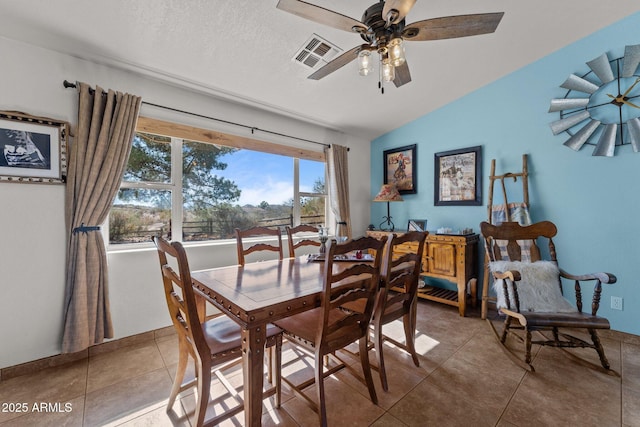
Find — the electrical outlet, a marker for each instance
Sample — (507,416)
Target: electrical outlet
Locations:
(616,303)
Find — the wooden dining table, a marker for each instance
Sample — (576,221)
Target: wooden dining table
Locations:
(257,294)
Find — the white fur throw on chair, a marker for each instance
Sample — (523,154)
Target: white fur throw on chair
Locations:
(538,289)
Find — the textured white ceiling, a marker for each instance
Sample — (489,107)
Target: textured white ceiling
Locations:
(243,48)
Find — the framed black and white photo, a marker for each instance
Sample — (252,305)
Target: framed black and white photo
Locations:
(417,225)
(458,177)
(400,166)
(32,149)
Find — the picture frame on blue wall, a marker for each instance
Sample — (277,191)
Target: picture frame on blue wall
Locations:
(458,177)
(32,149)
(400,168)
(417,225)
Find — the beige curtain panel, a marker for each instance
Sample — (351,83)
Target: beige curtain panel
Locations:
(97,159)
(338,158)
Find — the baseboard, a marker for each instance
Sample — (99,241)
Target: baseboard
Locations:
(64,358)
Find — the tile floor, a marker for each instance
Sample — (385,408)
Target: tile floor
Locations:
(463,380)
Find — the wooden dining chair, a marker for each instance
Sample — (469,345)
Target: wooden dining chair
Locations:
(529,292)
(301,230)
(245,249)
(328,328)
(397,298)
(213,344)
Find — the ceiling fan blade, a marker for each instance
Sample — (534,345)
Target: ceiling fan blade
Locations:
(402,8)
(403,76)
(337,63)
(321,15)
(450,27)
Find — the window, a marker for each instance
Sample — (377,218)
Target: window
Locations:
(185,189)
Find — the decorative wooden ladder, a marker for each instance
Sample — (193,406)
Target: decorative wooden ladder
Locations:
(524,176)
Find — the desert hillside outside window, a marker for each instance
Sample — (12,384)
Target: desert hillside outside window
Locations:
(193,191)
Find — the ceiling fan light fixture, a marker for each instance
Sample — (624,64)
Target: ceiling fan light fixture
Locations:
(365,62)
(387,69)
(396,51)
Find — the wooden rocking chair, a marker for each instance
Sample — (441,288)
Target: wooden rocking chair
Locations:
(530,293)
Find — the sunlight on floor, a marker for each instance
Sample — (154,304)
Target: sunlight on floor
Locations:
(395,330)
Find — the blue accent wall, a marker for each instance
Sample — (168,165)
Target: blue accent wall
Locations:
(594,201)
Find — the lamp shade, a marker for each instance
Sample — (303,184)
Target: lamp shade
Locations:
(388,193)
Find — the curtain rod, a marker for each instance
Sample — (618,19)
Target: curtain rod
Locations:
(67,84)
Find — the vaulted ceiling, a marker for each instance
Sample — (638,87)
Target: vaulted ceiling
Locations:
(243,50)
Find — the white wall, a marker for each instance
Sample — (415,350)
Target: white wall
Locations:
(32,252)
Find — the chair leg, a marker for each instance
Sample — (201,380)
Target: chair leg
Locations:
(378,344)
(183,359)
(203,371)
(599,348)
(527,347)
(366,368)
(277,360)
(270,364)
(409,321)
(322,408)
(505,330)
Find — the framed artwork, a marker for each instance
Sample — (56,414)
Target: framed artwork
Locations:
(458,177)
(32,149)
(400,167)
(417,225)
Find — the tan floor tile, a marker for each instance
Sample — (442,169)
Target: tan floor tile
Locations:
(344,405)
(483,353)
(388,420)
(221,399)
(631,406)
(59,384)
(631,363)
(438,404)
(168,347)
(276,418)
(562,392)
(128,399)
(111,368)
(158,417)
(402,377)
(490,391)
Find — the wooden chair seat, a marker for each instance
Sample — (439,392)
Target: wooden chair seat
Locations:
(222,335)
(304,327)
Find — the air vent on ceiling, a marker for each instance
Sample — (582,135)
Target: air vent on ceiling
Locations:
(316,52)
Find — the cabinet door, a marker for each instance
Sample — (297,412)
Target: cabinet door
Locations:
(442,259)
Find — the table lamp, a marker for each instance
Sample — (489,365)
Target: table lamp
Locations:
(388,193)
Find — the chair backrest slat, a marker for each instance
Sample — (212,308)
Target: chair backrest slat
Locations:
(513,236)
(292,231)
(260,246)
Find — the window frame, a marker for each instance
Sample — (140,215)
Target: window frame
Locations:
(180,132)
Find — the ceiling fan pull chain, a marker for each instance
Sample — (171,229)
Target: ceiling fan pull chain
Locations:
(380,80)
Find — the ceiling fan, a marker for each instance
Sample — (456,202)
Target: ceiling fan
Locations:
(384,31)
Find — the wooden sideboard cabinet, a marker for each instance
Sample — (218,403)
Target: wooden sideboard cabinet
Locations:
(450,257)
